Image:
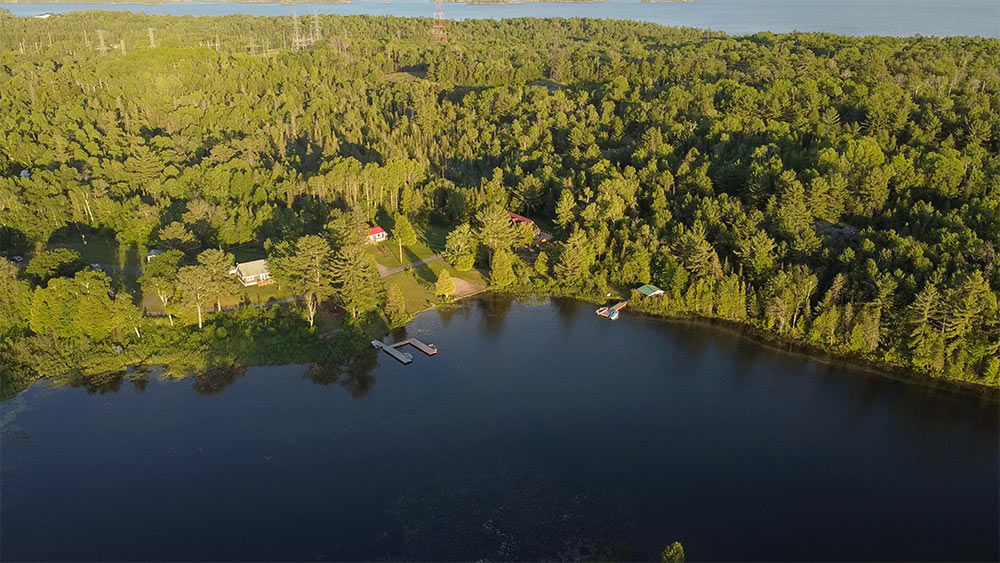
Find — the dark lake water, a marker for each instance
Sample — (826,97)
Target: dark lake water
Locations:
(846,17)
(538,431)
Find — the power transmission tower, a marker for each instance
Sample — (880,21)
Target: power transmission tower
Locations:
(316,33)
(438,32)
(296,34)
(152,40)
(100,42)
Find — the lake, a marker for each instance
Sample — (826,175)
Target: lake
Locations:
(739,17)
(538,431)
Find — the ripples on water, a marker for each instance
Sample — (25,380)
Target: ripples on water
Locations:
(538,432)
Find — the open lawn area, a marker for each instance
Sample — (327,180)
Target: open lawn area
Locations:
(430,241)
(417,284)
(254,294)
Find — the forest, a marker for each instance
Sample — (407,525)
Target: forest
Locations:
(840,193)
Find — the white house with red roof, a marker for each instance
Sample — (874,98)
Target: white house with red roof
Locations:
(377,234)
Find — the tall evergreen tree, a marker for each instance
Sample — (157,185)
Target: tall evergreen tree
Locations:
(357,280)
(404,234)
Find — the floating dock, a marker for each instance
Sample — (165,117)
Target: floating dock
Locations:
(428,349)
(612,311)
(405,357)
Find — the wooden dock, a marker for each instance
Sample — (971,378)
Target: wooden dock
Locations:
(612,311)
(428,349)
(405,357)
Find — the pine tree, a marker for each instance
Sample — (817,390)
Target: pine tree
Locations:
(176,236)
(445,286)
(542,264)
(404,234)
(926,342)
(460,247)
(219,263)
(565,210)
(573,268)
(757,253)
(496,231)
(307,269)
(674,553)
(502,271)
(395,307)
(357,280)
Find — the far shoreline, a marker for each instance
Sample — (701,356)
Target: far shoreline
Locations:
(767,340)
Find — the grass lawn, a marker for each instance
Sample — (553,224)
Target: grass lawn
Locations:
(254,294)
(430,241)
(417,284)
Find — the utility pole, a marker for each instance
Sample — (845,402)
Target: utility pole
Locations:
(100,42)
(86,39)
(122,41)
(152,40)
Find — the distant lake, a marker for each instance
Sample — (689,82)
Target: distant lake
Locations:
(737,17)
(538,432)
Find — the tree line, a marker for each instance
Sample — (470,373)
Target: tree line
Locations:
(838,191)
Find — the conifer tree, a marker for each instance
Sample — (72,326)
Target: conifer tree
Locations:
(445,286)
(395,306)
(502,272)
(404,234)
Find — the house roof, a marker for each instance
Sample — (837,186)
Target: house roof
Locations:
(255,268)
(649,290)
(518,218)
(375,230)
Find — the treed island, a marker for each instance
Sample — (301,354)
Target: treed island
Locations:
(226,191)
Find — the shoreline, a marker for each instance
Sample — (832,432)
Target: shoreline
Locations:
(806,350)
(751,333)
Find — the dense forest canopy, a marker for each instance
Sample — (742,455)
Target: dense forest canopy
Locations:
(843,192)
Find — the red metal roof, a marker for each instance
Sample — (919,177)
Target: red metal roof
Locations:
(518,218)
(375,230)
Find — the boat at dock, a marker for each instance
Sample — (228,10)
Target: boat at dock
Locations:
(612,311)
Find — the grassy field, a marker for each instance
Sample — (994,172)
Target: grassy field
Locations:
(430,241)
(417,284)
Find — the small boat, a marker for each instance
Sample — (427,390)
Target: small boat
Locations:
(603,311)
(376,344)
(613,315)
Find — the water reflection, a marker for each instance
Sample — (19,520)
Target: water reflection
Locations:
(97,384)
(603,442)
(355,376)
(495,309)
(567,309)
(215,380)
(447,313)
